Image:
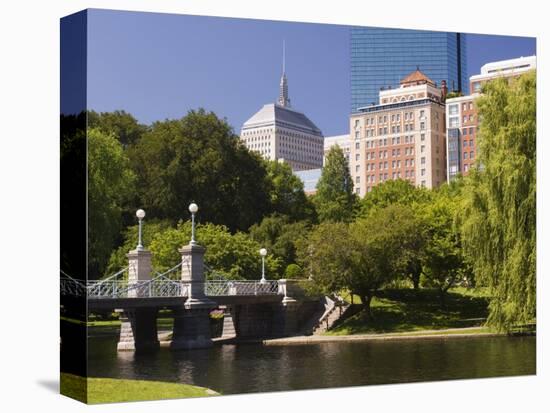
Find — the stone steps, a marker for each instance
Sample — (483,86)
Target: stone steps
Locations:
(331,317)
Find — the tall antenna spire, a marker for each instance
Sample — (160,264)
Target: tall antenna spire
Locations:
(283,100)
(284,55)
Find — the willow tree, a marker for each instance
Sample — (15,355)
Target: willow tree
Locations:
(499,214)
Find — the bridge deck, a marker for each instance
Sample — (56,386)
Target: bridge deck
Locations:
(159,302)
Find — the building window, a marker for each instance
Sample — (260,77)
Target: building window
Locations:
(422,148)
(472,155)
(422,113)
(356,145)
(465,155)
(422,172)
(357,179)
(453,122)
(422,125)
(423,183)
(358,191)
(357,168)
(356,156)
(423,160)
(464,143)
(472,142)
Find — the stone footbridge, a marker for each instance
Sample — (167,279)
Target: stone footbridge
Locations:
(255,309)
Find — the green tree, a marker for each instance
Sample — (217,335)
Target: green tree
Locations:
(280,236)
(444,264)
(286,193)
(199,158)
(398,191)
(414,199)
(110,183)
(499,211)
(118,123)
(334,199)
(234,256)
(362,256)
(129,235)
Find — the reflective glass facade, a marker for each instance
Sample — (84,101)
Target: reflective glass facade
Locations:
(382,57)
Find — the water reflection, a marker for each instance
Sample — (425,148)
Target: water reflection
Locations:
(250,368)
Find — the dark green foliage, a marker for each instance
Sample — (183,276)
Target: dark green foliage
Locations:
(198,158)
(334,199)
(118,123)
(280,237)
(361,257)
(234,256)
(110,181)
(286,194)
(294,271)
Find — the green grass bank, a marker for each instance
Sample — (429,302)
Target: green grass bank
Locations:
(407,310)
(101,390)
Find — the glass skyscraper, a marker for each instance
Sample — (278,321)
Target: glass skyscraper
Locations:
(382,57)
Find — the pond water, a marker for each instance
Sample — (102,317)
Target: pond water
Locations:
(246,368)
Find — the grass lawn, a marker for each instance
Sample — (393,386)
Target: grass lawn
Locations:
(162,323)
(406,310)
(115,390)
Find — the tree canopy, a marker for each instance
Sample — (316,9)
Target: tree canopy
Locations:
(334,199)
(361,257)
(121,124)
(499,210)
(198,158)
(110,180)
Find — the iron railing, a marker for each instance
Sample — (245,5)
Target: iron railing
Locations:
(163,286)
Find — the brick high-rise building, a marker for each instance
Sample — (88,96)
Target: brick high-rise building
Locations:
(461,114)
(401,137)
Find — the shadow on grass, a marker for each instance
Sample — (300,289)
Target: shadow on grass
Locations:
(397,311)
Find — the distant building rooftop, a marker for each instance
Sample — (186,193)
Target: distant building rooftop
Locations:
(274,114)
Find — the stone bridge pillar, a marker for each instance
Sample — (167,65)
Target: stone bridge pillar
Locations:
(192,320)
(139,269)
(138,328)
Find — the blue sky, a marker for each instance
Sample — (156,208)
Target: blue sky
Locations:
(159,66)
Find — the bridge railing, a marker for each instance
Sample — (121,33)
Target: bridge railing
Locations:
(244,287)
(70,286)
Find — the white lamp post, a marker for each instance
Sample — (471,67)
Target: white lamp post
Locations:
(140,214)
(263,253)
(193,208)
